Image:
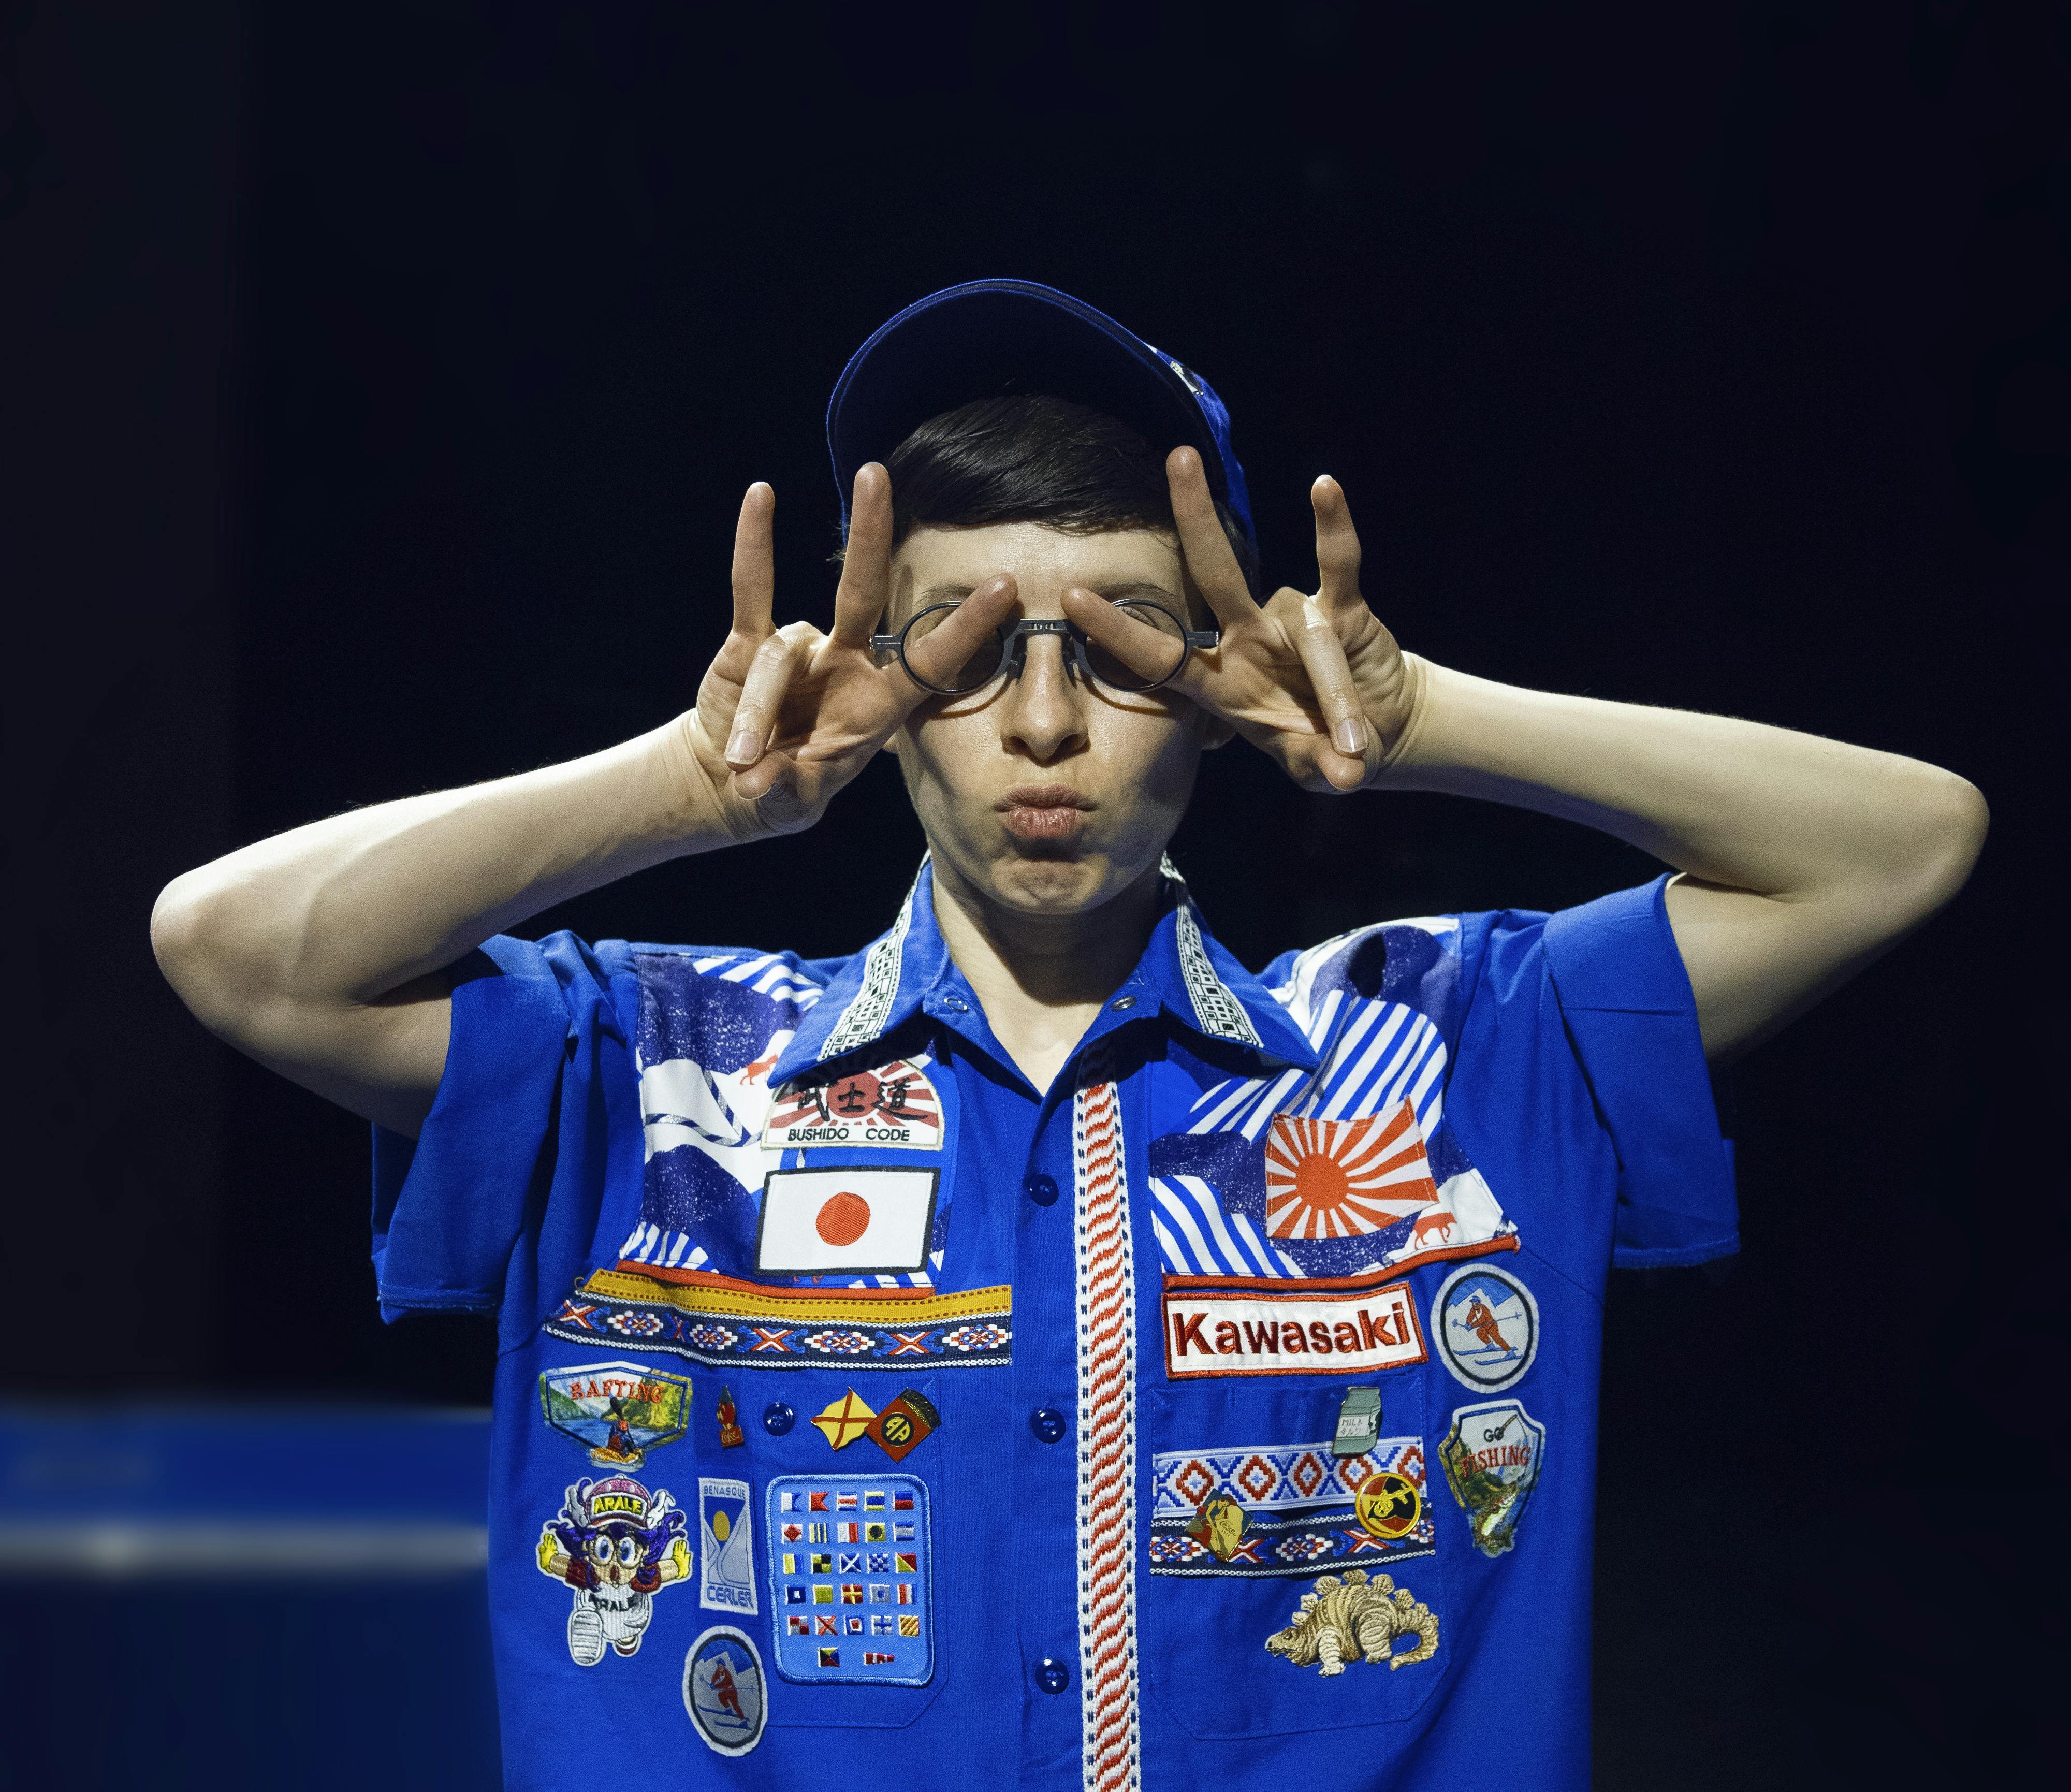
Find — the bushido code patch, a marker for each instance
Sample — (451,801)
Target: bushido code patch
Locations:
(852,1579)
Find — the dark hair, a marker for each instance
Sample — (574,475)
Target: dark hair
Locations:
(1029,457)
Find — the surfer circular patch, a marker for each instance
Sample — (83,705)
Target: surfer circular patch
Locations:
(1486,1325)
(724,1691)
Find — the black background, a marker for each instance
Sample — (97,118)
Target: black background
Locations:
(379,390)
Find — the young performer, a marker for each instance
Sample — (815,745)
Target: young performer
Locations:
(1142,1370)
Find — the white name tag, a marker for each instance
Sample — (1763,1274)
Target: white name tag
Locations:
(853,1222)
(1213,1331)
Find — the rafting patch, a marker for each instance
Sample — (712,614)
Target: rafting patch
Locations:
(621,1410)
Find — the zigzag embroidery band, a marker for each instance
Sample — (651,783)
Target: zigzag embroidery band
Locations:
(1107,1442)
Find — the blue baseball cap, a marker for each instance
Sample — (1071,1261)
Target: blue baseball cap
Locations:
(993,336)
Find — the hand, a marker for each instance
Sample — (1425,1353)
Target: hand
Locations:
(1316,681)
(786,717)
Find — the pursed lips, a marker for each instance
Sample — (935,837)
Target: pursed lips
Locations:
(1043,812)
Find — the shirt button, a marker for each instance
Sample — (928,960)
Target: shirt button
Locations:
(1041,1188)
(777,1418)
(1121,1003)
(1048,1423)
(956,1004)
(1051,1675)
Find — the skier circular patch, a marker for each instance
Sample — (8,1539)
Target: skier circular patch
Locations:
(724,1691)
(1486,1324)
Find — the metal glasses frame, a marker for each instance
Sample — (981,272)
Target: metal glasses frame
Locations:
(1014,653)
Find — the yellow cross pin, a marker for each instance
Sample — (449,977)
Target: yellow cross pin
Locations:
(844,1420)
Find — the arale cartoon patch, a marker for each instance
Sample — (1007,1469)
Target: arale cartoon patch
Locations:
(617,1544)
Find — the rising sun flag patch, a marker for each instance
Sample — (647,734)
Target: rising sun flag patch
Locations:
(1336,1179)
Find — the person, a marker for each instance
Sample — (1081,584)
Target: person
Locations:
(1144,1223)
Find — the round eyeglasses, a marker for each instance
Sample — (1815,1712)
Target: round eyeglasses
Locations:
(1166,639)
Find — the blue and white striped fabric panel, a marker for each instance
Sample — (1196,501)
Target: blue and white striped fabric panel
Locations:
(1385,1052)
(1196,1237)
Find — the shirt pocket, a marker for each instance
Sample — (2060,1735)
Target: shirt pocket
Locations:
(1257,1558)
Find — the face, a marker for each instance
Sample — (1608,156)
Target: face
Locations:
(1043,793)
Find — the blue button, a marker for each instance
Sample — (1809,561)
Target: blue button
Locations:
(1051,1675)
(1048,1423)
(777,1418)
(1041,1188)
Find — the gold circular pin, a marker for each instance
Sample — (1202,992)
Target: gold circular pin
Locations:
(1388,1505)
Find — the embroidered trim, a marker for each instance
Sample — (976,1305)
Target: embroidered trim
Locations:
(863,1018)
(1107,1442)
(1271,1478)
(1217,1013)
(723,1329)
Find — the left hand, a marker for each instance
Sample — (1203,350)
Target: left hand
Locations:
(1317,681)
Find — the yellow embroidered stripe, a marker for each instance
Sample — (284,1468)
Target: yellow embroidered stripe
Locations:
(930,1310)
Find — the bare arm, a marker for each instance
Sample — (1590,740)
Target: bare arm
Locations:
(320,951)
(1803,859)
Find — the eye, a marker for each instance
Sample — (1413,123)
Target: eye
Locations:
(600,1551)
(629,1550)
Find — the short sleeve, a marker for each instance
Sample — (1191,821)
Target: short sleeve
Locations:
(449,1207)
(1627,1003)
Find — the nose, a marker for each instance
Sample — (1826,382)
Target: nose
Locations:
(1045,713)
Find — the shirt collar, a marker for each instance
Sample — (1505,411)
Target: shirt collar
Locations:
(1184,968)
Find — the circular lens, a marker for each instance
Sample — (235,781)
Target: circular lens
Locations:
(1161,647)
(981,668)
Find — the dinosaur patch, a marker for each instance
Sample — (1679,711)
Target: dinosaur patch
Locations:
(1350,1618)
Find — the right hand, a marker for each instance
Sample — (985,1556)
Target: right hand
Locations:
(786,717)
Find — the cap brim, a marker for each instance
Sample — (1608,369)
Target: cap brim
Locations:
(992,337)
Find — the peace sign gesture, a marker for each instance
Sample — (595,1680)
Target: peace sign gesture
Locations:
(1316,681)
(786,717)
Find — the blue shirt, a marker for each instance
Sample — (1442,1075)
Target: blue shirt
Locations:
(1224,1414)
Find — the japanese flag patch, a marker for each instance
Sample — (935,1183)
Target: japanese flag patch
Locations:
(846,1222)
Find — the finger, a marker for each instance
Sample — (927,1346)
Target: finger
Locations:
(1337,546)
(769,772)
(1137,645)
(1208,554)
(1331,678)
(755,562)
(947,647)
(761,698)
(865,579)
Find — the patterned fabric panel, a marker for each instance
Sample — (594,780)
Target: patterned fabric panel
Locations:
(1288,1174)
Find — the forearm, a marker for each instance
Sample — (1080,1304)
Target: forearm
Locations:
(344,911)
(1804,858)
(1739,804)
